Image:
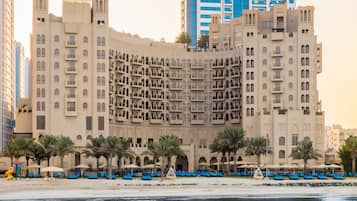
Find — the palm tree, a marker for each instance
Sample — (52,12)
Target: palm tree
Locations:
(63,146)
(47,142)
(184,38)
(94,149)
(111,147)
(305,151)
(203,41)
(156,151)
(170,145)
(124,151)
(256,147)
(37,152)
(26,148)
(13,149)
(350,147)
(235,139)
(219,145)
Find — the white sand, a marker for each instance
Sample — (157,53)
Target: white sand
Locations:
(190,187)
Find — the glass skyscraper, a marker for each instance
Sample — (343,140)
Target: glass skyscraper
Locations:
(196,14)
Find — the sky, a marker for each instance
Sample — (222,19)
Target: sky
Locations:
(335,26)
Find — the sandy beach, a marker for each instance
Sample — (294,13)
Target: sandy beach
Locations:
(181,187)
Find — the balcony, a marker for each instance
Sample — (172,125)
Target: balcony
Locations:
(277,104)
(277,54)
(120,118)
(120,106)
(218,77)
(237,64)
(156,121)
(197,76)
(157,98)
(218,98)
(137,107)
(197,88)
(197,67)
(70,43)
(235,74)
(277,78)
(120,70)
(277,90)
(175,76)
(176,121)
(197,110)
(235,108)
(156,64)
(156,109)
(71,96)
(217,87)
(71,83)
(176,109)
(70,57)
(137,62)
(175,66)
(217,109)
(217,121)
(120,82)
(235,86)
(157,75)
(176,98)
(278,35)
(135,73)
(137,120)
(277,67)
(156,86)
(235,97)
(120,94)
(218,66)
(234,121)
(197,121)
(176,88)
(197,99)
(137,96)
(71,70)
(137,85)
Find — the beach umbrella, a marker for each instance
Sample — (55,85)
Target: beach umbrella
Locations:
(82,167)
(34,166)
(52,169)
(203,164)
(333,167)
(131,167)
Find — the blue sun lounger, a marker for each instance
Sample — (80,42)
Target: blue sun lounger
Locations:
(127,177)
(278,177)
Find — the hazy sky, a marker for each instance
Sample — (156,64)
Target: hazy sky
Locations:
(335,23)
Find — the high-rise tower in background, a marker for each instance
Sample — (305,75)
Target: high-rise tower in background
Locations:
(196,14)
(27,77)
(20,72)
(7,70)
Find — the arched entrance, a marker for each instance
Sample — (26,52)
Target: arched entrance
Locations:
(137,161)
(77,158)
(182,163)
(146,160)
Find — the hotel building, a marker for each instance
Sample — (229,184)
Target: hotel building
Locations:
(7,71)
(196,14)
(259,73)
(20,73)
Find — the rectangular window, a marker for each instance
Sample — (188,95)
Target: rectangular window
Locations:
(101,123)
(88,123)
(295,139)
(71,106)
(138,141)
(41,122)
(211,8)
(150,141)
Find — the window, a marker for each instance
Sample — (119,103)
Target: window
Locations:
(281,141)
(265,74)
(85,105)
(85,66)
(71,106)
(57,92)
(85,53)
(88,123)
(85,78)
(101,123)
(57,78)
(291,61)
(264,86)
(56,105)
(291,48)
(281,154)
(79,137)
(85,92)
(265,50)
(265,62)
(56,65)
(40,122)
(57,52)
(291,73)
(85,39)
(98,54)
(291,97)
(57,39)
(264,98)
(295,139)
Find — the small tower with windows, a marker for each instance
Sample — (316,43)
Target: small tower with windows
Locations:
(40,11)
(100,12)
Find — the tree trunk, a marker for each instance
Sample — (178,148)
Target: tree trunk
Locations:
(48,161)
(305,164)
(258,160)
(235,163)
(97,163)
(11,160)
(168,164)
(229,163)
(110,166)
(27,165)
(61,158)
(39,163)
(353,166)
(155,169)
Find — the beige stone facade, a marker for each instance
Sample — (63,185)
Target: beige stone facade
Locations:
(90,80)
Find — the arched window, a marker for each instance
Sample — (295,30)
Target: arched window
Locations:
(303,98)
(57,78)
(302,73)
(307,61)
(281,154)
(56,65)
(281,141)
(56,105)
(85,92)
(307,74)
(264,98)
(57,92)
(57,52)
(103,107)
(265,74)
(307,98)
(85,105)
(307,86)
(303,49)
(85,66)
(291,97)
(43,39)
(38,39)
(248,112)
(303,86)
(302,61)
(98,94)
(79,137)
(291,73)
(57,38)
(99,107)
(85,39)
(85,78)
(85,53)
(264,86)
(252,112)
(103,93)
(307,49)
(291,85)
(89,137)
